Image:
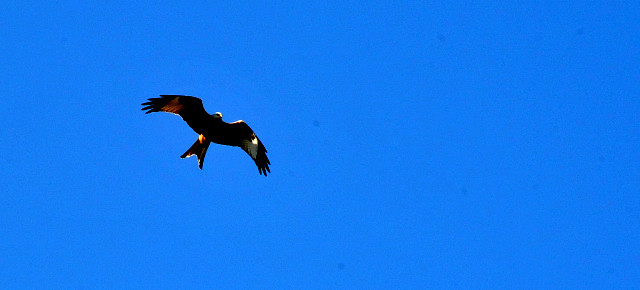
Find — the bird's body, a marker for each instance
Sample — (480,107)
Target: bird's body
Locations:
(211,128)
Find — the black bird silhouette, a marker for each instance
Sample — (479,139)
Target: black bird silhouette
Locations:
(211,128)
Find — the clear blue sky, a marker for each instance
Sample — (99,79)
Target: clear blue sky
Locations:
(413,144)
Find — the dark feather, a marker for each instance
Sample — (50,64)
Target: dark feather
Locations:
(189,108)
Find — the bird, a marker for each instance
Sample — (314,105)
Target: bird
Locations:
(211,128)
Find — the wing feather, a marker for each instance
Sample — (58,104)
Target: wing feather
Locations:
(189,108)
(251,144)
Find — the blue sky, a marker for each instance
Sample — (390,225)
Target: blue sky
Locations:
(413,145)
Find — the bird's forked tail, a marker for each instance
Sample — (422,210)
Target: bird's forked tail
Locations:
(199,148)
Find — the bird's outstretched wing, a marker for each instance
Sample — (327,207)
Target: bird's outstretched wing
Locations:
(188,107)
(250,143)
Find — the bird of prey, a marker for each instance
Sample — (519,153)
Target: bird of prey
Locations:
(211,128)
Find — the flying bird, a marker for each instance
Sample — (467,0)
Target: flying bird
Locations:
(211,128)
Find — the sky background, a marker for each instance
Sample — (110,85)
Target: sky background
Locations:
(414,144)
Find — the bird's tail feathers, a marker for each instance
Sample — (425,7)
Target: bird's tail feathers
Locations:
(199,149)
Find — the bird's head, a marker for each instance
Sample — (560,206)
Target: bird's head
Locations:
(217,115)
